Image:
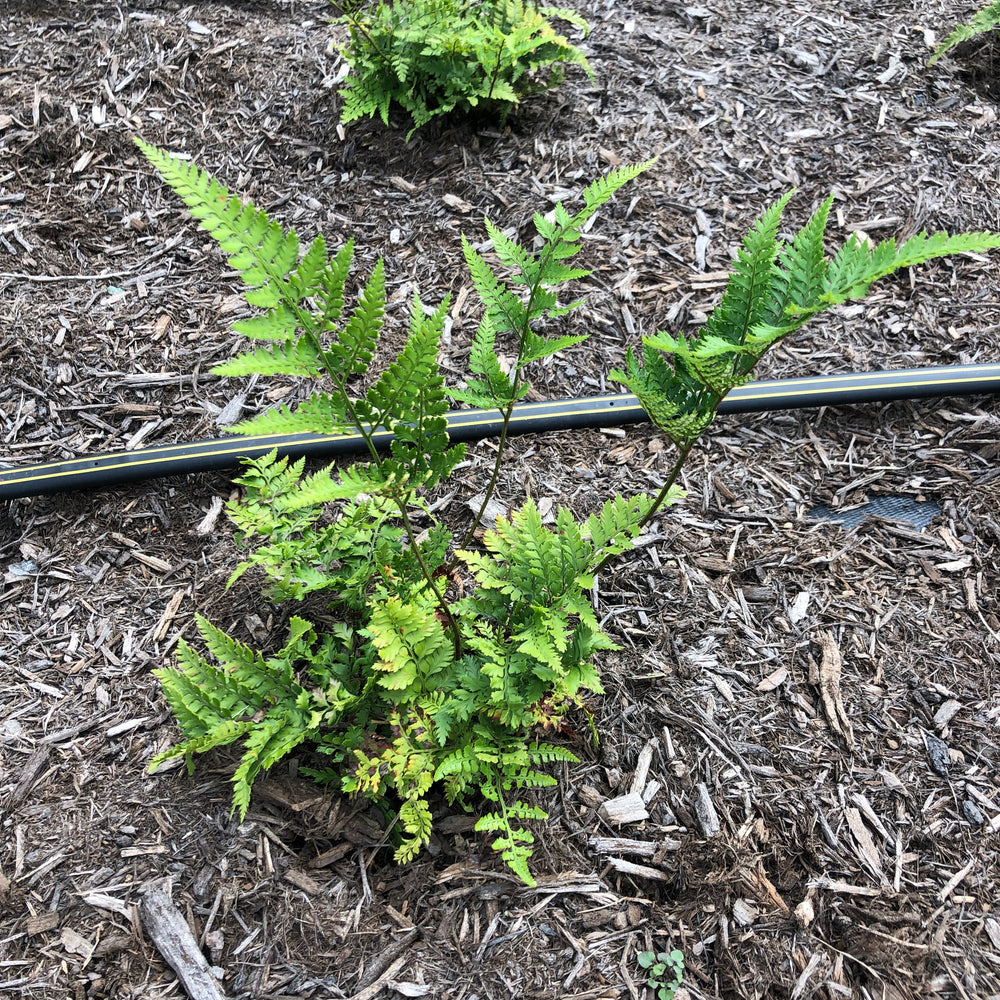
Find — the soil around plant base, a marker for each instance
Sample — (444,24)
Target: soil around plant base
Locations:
(809,712)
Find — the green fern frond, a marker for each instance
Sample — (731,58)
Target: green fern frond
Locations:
(257,248)
(601,191)
(354,350)
(859,263)
(321,413)
(504,311)
(290,357)
(410,398)
(985,20)
(415,818)
(412,646)
(774,289)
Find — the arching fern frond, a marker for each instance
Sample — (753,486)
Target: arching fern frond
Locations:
(773,290)
(257,248)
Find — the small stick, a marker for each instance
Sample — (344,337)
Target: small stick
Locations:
(173,939)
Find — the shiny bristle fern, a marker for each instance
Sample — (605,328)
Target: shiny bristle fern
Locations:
(431,57)
(439,660)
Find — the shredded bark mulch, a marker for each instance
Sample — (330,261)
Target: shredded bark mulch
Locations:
(809,711)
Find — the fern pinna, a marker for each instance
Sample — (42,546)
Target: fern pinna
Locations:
(439,661)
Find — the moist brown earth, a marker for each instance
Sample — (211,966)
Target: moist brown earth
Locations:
(810,710)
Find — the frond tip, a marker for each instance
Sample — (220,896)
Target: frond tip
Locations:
(774,289)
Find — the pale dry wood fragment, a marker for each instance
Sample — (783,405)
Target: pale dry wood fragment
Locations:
(946,712)
(836,885)
(385,965)
(170,934)
(770,891)
(160,631)
(331,856)
(866,846)
(42,922)
(623,845)
(642,765)
(125,727)
(949,887)
(153,562)
(641,871)
(744,912)
(704,808)
(207,524)
(103,901)
(624,809)
(798,608)
(76,944)
(829,688)
(992,928)
(773,680)
(869,813)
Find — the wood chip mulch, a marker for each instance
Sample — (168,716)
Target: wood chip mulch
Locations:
(796,783)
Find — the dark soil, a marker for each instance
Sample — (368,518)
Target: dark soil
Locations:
(854,849)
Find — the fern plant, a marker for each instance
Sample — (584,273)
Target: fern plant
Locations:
(985,20)
(414,685)
(442,662)
(435,56)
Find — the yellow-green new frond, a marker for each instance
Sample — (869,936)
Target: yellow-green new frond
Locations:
(411,643)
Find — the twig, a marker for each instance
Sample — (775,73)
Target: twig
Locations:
(172,937)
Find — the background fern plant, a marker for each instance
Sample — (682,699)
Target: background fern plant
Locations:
(443,662)
(435,56)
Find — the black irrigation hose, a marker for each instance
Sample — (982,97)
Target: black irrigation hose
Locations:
(113,469)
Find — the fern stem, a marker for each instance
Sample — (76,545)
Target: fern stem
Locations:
(456,635)
(684,449)
(521,334)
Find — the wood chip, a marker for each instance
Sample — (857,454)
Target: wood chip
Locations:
(623,845)
(640,871)
(704,809)
(642,768)
(624,809)
(303,881)
(829,687)
(42,922)
(170,934)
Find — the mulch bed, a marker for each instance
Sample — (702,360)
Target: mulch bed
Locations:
(810,711)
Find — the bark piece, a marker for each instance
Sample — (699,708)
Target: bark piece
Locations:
(704,808)
(829,688)
(624,809)
(169,932)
